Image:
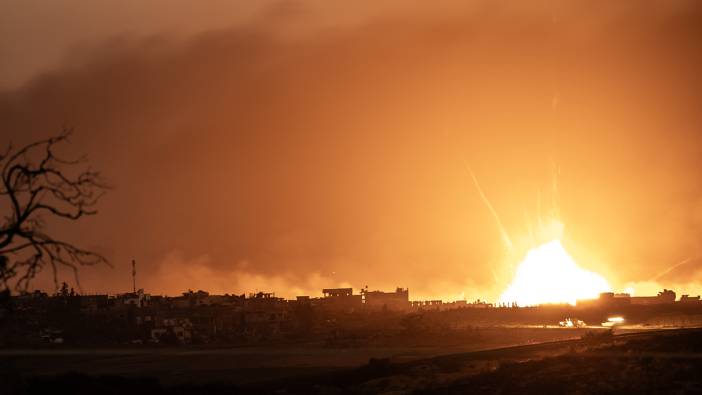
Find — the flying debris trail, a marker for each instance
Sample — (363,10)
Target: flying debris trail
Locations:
(503,232)
(670,269)
(555,205)
(530,228)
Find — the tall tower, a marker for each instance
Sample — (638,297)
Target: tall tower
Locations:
(134,275)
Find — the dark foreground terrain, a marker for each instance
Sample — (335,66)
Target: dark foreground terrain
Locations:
(668,361)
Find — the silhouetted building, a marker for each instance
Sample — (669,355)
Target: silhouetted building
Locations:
(479,304)
(94,303)
(607,299)
(172,330)
(427,305)
(203,298)
(686,299)
(377,300)
(138,298)
(666,296)
(340,299)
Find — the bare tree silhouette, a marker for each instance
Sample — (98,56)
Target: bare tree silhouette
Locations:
(36,183)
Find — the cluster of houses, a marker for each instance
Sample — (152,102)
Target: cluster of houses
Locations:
(199,317)
(664,297)
(202,317)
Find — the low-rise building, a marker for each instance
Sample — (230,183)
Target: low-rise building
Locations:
(340,300)
(690,300)
(379,300)
(666,296)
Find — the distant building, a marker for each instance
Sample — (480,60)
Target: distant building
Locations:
(340,299)
(379,300)
(263,300)
(427,305)
(337,292)
(138,298)
(265,313)
(618,300)
(607,299)
(94,303)
(686,299)
(203,298)
(438,305)
(666,296)
(179,329)
(479,304)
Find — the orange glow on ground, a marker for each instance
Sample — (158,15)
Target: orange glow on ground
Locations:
(548,274)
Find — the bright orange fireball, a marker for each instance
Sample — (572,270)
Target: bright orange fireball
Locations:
(548,274)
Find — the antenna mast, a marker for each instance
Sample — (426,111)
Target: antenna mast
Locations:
(134,275)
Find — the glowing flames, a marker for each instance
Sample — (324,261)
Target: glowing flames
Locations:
(549,275)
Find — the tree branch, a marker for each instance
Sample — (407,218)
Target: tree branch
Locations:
(34,182)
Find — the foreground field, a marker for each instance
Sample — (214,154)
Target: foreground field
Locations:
(239,365)
(566,362)
(648,362)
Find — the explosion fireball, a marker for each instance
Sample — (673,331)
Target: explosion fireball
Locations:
(548,274)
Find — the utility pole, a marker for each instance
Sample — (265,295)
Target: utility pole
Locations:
(134,275)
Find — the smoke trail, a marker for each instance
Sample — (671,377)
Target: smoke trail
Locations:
(555,205)
(670,269)
(530,227)
(503,232)
(538,208)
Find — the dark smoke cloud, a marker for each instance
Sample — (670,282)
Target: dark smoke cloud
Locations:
(336,155)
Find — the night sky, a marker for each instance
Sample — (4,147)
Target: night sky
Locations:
(293,146)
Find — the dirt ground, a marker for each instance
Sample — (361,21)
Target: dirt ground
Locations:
(516,360)
(237,365)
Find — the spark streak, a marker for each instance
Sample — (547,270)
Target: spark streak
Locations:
(503,232)
(670,269)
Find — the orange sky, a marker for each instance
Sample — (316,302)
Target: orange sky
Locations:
(293,146)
